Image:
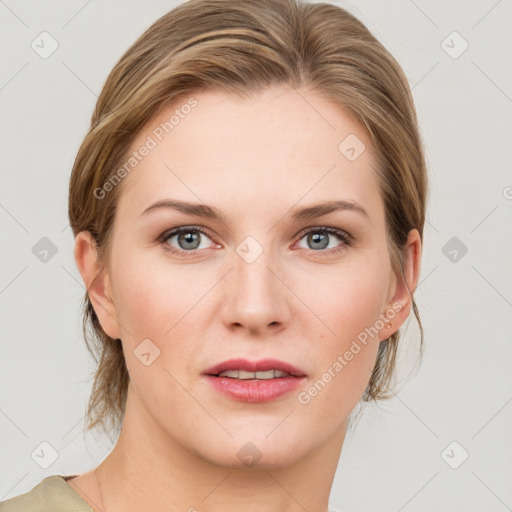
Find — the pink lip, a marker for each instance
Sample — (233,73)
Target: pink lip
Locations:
(254,390)
(256,366)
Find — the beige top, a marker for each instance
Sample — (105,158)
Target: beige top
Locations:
(53,494)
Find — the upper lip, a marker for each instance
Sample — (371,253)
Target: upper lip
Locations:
(254,366)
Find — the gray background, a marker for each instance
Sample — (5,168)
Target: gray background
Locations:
(401,456)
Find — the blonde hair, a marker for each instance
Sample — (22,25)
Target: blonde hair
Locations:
(241,47)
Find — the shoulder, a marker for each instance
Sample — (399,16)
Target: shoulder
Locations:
(53,494)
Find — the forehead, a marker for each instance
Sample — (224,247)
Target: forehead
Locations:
(280,146)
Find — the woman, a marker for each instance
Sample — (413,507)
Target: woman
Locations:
(248,211)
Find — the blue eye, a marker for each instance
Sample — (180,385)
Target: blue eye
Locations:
(319,239)
(189,240)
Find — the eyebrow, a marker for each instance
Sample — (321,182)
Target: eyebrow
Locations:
(301,213)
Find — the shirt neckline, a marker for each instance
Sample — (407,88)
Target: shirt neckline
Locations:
(71,494)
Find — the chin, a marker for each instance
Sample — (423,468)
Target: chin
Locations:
(253,450)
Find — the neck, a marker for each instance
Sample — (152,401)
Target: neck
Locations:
(158,472)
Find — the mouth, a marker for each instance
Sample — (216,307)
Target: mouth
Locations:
(260,381)
(244,375)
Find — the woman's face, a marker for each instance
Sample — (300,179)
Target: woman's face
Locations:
(252,284)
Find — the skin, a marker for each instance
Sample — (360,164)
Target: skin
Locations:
(253,159)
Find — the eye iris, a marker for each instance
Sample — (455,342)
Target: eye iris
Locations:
(189,237)
(319,236)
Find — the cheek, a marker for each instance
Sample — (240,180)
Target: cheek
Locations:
(349,302)
(347,299)
(158,300)
(145,289)
(152,303)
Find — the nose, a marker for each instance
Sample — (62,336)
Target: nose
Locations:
(256,297)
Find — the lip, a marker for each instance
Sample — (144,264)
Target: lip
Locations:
(256,366)
(252,390)
(255,391)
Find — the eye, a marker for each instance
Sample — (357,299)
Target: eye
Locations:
(319,239)
(188,240)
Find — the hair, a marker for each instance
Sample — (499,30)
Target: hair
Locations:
(241,47)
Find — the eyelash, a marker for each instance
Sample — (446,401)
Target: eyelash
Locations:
(346,239)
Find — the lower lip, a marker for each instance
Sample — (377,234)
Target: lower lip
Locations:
(255,390)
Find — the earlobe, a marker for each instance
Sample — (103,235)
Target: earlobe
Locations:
(97,283)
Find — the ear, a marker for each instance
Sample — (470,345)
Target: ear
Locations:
(400,301)
(97,283)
